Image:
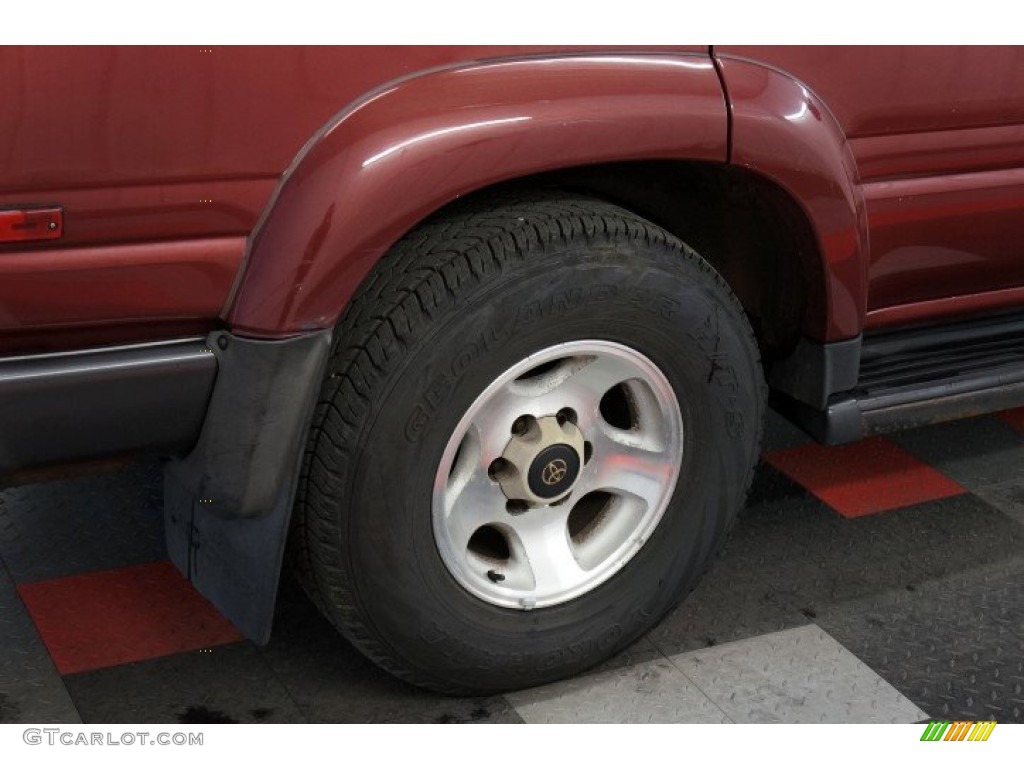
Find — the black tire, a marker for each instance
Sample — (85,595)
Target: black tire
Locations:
(456,302)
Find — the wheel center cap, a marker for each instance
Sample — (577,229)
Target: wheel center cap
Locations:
(553,471)
(544,461)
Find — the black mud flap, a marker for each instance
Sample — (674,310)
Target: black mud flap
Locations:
(227,504)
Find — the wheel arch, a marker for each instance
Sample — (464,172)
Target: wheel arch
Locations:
(752,231)
(406,151)
(622,126)
(784,132)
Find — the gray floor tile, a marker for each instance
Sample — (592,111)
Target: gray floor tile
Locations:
(1007,497)
(332,682)
(80,524)
(974,452)
(745,576)
(796,676)
(813,558)
(790,557)
(230,684)
(780,433)
(955,646)
(31,690)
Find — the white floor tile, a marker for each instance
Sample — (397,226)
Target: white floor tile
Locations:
(652,691)
(800,675)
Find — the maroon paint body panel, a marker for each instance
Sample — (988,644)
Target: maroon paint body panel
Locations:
(937,134)
(143,281)
(939,236)
(188,197)
(175,147)
(784,132)
(404,153)
(890,90)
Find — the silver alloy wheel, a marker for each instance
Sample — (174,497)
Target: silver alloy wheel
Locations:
(514,539)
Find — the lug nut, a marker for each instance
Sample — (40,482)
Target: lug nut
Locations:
(522,425)
(497,468)
(516,506)
(566,415)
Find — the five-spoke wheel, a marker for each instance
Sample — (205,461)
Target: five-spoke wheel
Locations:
(557,474)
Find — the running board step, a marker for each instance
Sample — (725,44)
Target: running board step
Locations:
(925,376)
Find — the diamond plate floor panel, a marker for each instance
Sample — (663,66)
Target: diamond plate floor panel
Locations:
(31,690)
(864,478)
(954,646)
(332,682)
(639,687)
(65,527)
(780,433)
(797,676)
(1007,497)
(790,557)
(975,453)
(813,558)
(231,684)
(105,618)
(742,596)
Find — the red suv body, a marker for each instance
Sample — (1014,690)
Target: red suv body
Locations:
(183,230)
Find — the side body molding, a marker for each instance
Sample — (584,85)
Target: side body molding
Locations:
(403,152)
(785,133)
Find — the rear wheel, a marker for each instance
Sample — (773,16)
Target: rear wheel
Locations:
(539,421)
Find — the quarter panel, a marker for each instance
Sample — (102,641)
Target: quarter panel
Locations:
(891,89)
(937,133)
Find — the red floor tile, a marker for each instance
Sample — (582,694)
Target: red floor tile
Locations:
(107,618)
(1015,418)
(871,476)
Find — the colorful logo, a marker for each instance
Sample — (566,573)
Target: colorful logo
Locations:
(961,730)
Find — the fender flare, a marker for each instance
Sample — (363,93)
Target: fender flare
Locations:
(782,131)
(404,151)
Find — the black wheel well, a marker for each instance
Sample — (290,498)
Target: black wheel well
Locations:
(750,230)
